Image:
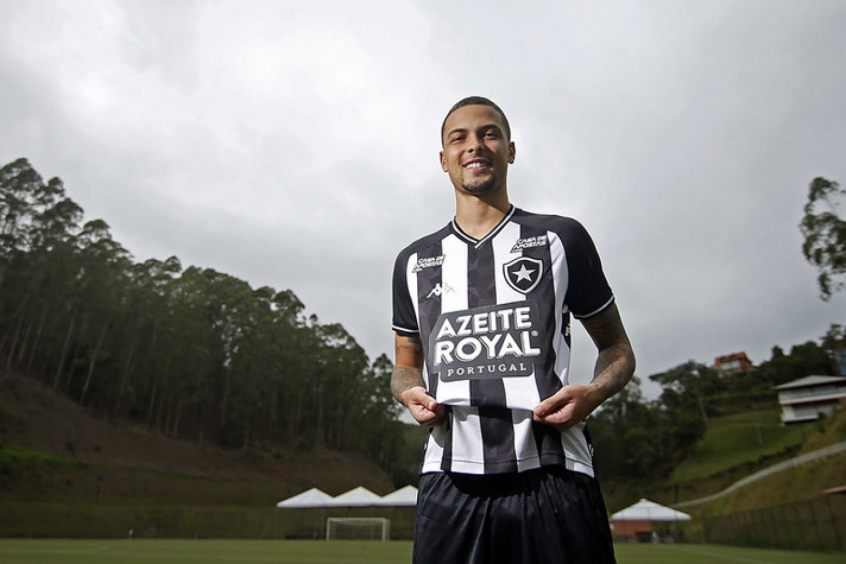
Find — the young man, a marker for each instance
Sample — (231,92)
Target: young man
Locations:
(482,319)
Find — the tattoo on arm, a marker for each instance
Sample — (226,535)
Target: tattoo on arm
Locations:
(407,372)
(615,363)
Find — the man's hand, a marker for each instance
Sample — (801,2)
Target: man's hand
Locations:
(615,364)
(407,382)
(423,407)
(568,406)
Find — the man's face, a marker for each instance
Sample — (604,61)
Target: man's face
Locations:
(476,152)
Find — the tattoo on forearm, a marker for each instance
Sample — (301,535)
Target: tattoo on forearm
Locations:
(404,376)
(614,368)
(616,362)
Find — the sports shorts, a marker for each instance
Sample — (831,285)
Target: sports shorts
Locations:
(546,516)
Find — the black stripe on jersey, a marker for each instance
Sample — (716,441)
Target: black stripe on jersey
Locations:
(429,290)
(543,293)
(496,423)
(547,438)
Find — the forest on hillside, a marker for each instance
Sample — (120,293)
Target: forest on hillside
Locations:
(189,352)
(201,355)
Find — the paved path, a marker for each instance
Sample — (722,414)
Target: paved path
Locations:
(780,467)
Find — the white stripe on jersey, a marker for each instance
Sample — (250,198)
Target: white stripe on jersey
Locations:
(559,260)
(528,458)
(518,391)
(453,275)
(434,452)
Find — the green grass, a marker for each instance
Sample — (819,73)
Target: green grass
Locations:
(741,439)
(342,552)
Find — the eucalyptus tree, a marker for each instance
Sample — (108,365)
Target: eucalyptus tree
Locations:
(38,224)
(825,234)
(147,319)
(103,285)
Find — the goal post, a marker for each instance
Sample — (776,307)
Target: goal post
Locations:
(358,528)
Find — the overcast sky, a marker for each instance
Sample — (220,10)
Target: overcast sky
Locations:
(295,144)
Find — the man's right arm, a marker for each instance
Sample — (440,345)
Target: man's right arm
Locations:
(407,383)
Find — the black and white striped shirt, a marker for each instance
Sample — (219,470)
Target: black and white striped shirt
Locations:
(493,316)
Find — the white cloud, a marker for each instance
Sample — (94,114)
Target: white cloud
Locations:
(295,144)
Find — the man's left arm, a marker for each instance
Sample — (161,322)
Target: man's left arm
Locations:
(614,368)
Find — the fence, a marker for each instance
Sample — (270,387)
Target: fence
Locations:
(817,524)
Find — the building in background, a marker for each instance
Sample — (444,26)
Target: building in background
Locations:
(735,363)
(809,398)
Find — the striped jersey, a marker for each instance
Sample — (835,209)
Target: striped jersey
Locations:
(493,318)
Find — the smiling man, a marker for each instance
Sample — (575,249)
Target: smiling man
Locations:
(481,313)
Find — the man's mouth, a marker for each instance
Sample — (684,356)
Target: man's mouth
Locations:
(475,165)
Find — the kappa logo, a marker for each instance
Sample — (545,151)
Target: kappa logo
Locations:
(440,290)
(523,274)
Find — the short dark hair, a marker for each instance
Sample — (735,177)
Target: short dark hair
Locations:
(477,101)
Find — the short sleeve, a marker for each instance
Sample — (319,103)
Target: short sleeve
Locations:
(404,318)
(588,291)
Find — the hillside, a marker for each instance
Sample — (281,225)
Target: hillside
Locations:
(736,446)
(54,451)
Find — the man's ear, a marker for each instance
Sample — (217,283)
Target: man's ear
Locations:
(512,152)
(443,162)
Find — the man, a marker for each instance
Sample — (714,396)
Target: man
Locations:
(483,306)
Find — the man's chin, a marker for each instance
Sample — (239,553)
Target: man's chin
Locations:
(480,188)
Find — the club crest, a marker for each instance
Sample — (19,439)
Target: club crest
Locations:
(523,273)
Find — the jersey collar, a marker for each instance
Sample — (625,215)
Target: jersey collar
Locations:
(479,242)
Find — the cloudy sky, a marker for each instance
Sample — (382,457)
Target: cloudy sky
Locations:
(295,144)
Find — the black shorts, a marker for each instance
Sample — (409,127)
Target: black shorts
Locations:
(545,516)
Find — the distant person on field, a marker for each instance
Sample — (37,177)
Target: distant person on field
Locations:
(481,312)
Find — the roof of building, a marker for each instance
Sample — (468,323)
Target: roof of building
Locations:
(810,381)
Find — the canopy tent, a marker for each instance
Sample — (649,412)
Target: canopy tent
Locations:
(647,521)
(403,497)
(309,498)
(356,497)
(645,510)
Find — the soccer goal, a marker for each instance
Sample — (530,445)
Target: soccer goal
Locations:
(358,528)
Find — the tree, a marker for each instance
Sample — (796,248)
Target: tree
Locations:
(834,343)
(688,386)
(804,360)
(825,235)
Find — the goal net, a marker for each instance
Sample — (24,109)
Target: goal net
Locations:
(358,528)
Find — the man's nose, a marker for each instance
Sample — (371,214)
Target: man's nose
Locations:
(476,143)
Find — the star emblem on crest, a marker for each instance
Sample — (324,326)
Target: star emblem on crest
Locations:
(523,274)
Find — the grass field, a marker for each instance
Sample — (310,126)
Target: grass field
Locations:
(109,551)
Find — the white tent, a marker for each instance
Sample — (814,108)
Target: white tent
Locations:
(357,497)
(403,497)
(645,510)
(309,498)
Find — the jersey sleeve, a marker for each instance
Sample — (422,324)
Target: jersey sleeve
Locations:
(404,317)
(588,292)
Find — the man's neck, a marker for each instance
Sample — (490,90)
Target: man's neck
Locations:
(478,216)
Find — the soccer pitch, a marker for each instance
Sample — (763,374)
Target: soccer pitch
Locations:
(108,551)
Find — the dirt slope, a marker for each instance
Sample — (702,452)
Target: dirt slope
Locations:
(33,416)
